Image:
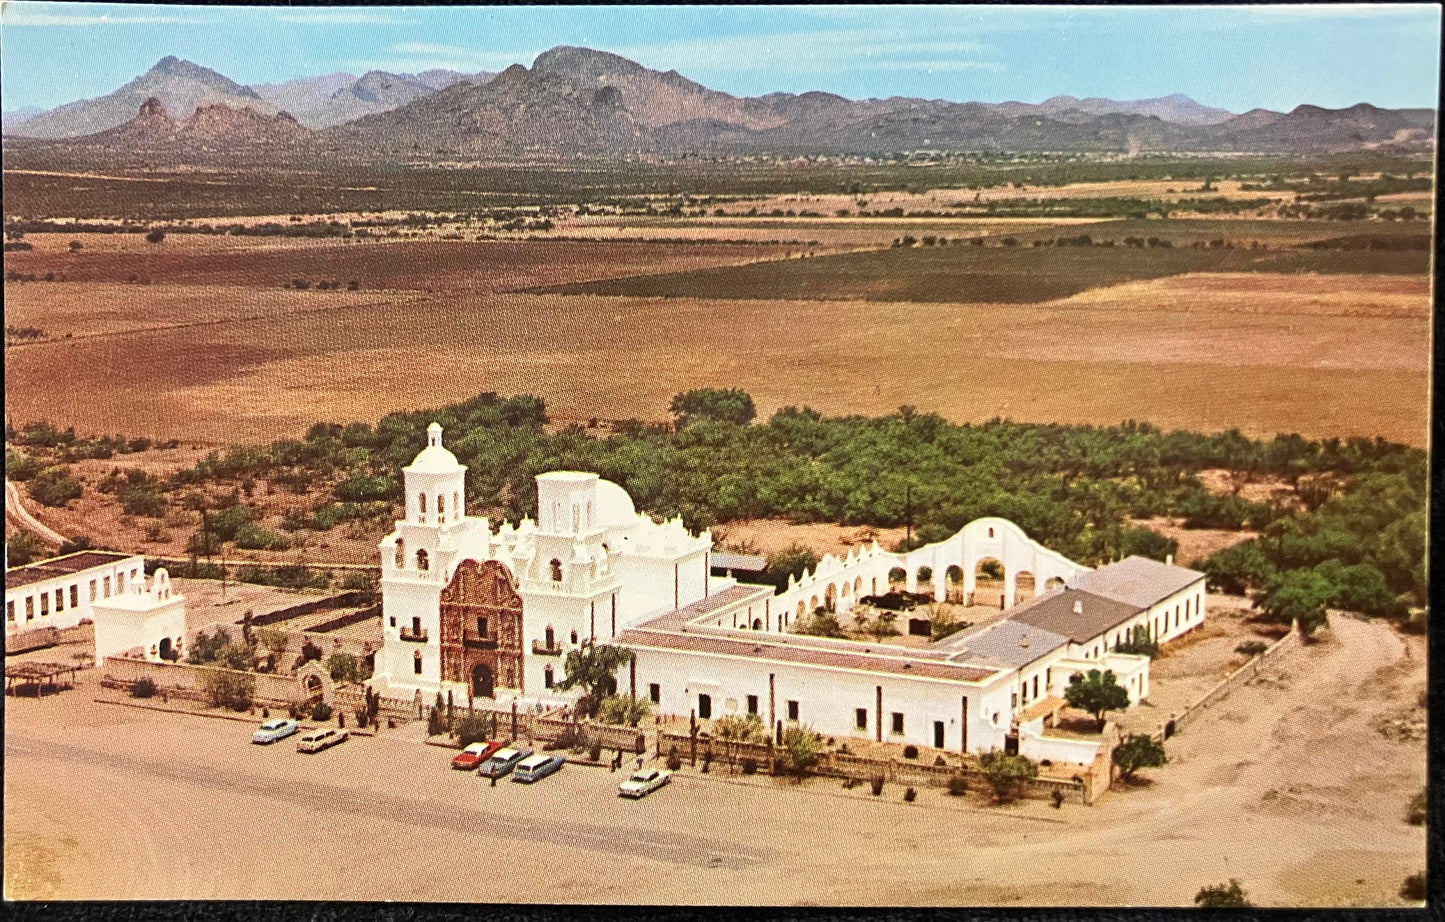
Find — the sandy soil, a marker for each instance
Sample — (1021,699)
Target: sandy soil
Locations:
(1285,786)
(768,536)
(1195,544)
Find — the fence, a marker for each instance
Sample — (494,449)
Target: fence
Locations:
(185,681)
(352,698)
(33,639)
(1228,684)
(344,600)
(897,771)
(336,624)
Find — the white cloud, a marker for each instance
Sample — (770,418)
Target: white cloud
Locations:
(15,14)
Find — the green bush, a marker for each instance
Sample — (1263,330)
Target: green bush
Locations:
(1138,750)
(674,759)
(142,688)
(910,751)
(624,709)
(750,766)
(343,667)
(54,486)
(909,795)
(20,467)
(321,712)
(253,537)
(957,785)
(875,784)
(472,728)
(363,488)
(228,689)
(1252,647)
(144,500)
(1007,774)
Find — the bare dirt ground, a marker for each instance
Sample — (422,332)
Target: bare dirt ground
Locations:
(1285,786)
(1274,294)
(769,536)
(626,357)
(1195,544)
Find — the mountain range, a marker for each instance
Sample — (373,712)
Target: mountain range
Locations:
(578,101)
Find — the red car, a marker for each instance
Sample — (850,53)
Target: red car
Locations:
(475,755)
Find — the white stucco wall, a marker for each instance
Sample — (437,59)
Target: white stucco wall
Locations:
(36,605)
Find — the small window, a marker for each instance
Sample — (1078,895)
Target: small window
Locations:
(421,498)
(551,637)
(1036,686)
(1014,700)
(547,677)
(60,600)
(422,562)
(393,620)
(704,706)
(752,704)
(416,664)
(30,608)
(107,587)
(441,509)
(897,723)
(44,604)
(92,590)
(400,554)
(556,566)
(482,628)
(860,718)
(654,692)
(10,610)
(120,582)
(574,638)
(792,710)
(75,596)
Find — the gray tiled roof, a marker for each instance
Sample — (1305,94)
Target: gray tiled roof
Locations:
(1095,615)
(1137,581)
(1014,642)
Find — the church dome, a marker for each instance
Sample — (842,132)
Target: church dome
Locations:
(614,506)
(434,458)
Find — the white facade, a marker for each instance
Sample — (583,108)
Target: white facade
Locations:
(62,591)
(589,568)
(151,620)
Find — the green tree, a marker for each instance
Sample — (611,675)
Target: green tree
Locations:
(801,748)
(733,730)
(1138,750)
(1222,896)
(794,561)
(343,667)
(1140,643)
(1297,595)
(821,623)
(624,709)
(593,668)
(22,548)
(1238,568)
(472,728)
(1007,774)
(715,404)
(155,236)
(228,689)
(1097,693)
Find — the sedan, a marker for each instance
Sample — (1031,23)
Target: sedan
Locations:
(273,730)
(502,762)
(537,768)
(474,755)
(643,783)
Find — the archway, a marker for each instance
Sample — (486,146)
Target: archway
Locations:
(858,587)
(1025,586)
(989,580)
(314,688)
(1053,583)
(481,681)
(897,575)
(813,604)
(830,597)
(165,648)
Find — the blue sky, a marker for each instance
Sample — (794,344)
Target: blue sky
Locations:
(1234,57)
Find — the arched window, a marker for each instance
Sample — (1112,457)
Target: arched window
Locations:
(416,662)
(574,637)
(422,562)
(990,532)
(556,566)
(551,638)
(547,677)
(757,624)
(421,508)
(400,554)
(441,508)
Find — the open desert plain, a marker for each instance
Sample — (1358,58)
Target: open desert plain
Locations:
(1178,357)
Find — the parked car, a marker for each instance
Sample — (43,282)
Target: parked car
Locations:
(317,740)
(537,767)
(643,782)
(502,762)
(276,729)
(475,754)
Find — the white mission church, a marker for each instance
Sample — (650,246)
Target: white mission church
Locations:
(483,614)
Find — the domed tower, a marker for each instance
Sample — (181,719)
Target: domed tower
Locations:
(435,484)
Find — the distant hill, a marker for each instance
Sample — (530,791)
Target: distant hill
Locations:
(577,101)
(213,127)
(14,118)
(180,86)
(332,99)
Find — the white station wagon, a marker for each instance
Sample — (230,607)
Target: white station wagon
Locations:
(317,740)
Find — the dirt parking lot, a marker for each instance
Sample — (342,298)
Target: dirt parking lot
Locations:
(1285,786)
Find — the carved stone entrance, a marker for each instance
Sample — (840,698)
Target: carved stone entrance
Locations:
(481,629)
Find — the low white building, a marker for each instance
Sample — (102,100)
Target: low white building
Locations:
(149,622)
(61,592)
(477,613)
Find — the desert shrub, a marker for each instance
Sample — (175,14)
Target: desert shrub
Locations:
(142,688)
(253,537)
(624,709)
(322,711)
(207,647)
(54,486)
(594,752)
(1413,887)
(143,499)
(228,689)
(1138,751)
(875,784)
(674,759)
(155,236)
(910,795)
(1419,808)
(801,747)
(363,488)
(910,751)
(472,728)
(1222,896)
(436,723)
(750,766)
(20,467)
(1007,774)
(940,761)
(1252,647)
(958,785)
(343,667)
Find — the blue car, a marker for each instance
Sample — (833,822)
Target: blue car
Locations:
(273,730)
(536,768)
(502,762)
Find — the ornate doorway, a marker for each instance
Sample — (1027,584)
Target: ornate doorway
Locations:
(481,681)
(481,629)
